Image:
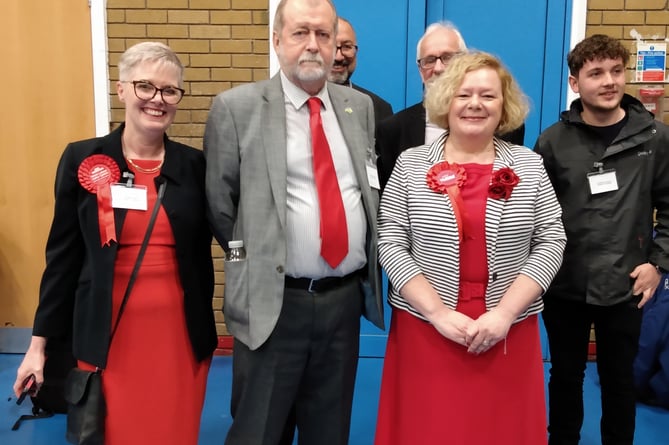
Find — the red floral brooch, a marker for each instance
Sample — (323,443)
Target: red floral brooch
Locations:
(502,183)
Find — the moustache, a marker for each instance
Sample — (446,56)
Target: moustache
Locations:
(342,63)
(312,58)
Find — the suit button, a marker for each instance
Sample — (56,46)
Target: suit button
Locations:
(279,269)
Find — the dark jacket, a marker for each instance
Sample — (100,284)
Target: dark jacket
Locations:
(651,366)
(382,109)
(406,129)
(76,287)
(608,234)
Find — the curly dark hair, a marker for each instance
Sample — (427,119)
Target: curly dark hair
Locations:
(596,47)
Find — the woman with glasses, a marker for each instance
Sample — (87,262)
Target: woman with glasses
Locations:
(470,235)
(155,368)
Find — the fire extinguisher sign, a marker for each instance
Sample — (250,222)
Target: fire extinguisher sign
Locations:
(651,59)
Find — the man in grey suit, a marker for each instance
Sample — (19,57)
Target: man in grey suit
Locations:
(295,316)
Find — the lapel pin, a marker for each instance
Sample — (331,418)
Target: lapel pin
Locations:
(349,110)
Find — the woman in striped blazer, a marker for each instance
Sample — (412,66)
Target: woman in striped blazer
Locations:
(470,235)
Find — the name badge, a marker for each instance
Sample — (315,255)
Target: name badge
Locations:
(373,177)
(602,182)
(132,198)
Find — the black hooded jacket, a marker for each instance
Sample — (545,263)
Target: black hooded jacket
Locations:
(610,233)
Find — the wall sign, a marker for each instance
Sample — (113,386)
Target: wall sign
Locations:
(650,62)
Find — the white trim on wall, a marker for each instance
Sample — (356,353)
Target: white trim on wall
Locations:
(579,12)
(273,61)
(100,66)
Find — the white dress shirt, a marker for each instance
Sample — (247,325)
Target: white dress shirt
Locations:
(303,217)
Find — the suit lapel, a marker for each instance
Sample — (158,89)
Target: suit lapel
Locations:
(349,123)
(357,144)
(274,143)
(495,207)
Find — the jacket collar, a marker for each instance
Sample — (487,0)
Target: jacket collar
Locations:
(503,154)
(638,116)
(640,126)
(172,168)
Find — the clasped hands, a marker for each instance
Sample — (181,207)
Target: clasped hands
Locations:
(477,335)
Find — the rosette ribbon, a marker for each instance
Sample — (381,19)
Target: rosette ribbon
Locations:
(96,174)
(448,179)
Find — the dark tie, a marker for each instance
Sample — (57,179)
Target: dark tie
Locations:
(334,234)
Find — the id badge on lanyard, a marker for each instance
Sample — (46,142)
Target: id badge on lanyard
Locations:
(602,181)
(128,195)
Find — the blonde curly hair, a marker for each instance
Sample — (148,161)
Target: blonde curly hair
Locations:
(441,91)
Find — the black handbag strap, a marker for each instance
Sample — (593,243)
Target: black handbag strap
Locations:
(140,256)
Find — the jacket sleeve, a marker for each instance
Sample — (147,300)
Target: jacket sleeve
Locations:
(549,239)
(65,253)
(222,174)
(395,231)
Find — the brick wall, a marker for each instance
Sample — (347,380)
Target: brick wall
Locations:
(617,18)
(222,43)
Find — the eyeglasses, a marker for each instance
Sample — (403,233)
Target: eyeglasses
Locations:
(429,62)
(145,90)
(347,49)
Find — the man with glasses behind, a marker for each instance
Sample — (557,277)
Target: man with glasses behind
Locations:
(410,127)
(344,65)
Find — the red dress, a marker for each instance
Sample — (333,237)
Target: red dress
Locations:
(434,392)
(153,385)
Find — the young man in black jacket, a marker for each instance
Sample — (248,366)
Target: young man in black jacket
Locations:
(609,163)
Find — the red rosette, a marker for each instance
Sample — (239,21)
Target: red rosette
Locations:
(502,183)
(96,174)
(448,179)
(443,175)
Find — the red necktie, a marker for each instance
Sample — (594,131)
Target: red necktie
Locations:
(334,234)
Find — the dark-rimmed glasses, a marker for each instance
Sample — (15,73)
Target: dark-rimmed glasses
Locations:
(145,90)
(347,49)
(429,62)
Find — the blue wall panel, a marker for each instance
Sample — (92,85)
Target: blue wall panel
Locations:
(517,32)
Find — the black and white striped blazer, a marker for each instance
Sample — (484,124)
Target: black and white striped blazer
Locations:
(418,232)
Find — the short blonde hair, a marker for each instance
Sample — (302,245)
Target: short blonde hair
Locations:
(153,52)
(440,93)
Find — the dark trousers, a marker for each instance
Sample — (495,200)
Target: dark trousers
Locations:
(617,334)
(308,364)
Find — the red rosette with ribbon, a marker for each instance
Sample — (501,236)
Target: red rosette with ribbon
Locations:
(447,178)
(96,174)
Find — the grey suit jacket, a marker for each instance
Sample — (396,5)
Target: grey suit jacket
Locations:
(245,149)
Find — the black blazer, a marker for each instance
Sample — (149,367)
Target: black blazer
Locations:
(76,287)
(382,109)
(406,129)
